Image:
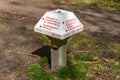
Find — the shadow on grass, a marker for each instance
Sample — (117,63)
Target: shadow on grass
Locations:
(44,51)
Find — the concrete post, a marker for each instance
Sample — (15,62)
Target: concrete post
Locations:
(58,53)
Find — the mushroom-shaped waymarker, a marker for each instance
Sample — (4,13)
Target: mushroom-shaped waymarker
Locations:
(58,25)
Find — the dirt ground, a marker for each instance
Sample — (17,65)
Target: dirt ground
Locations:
(18,40)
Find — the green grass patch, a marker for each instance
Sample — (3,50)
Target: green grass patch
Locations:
(107,5)
(37,73)
(44,60)
(101,67)
(73,72)
(117,49)
(44,38)
(103,4)
(81,41)
(84,57)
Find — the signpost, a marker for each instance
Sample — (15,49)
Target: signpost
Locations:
(58,25)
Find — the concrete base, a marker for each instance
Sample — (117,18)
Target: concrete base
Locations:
(58,53)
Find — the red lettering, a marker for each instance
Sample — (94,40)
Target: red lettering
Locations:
(52,21)
(49,27)
(73,27)
(71,21)
(71,24)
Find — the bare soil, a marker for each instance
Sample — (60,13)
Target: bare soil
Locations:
(18,40)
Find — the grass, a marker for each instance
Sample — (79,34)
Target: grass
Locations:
(44,39)
(87,60)
(107,5)
(44,60)
(73,72)
(84,57)
(117,50)
(101,57)
(103,4)
(36,72)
